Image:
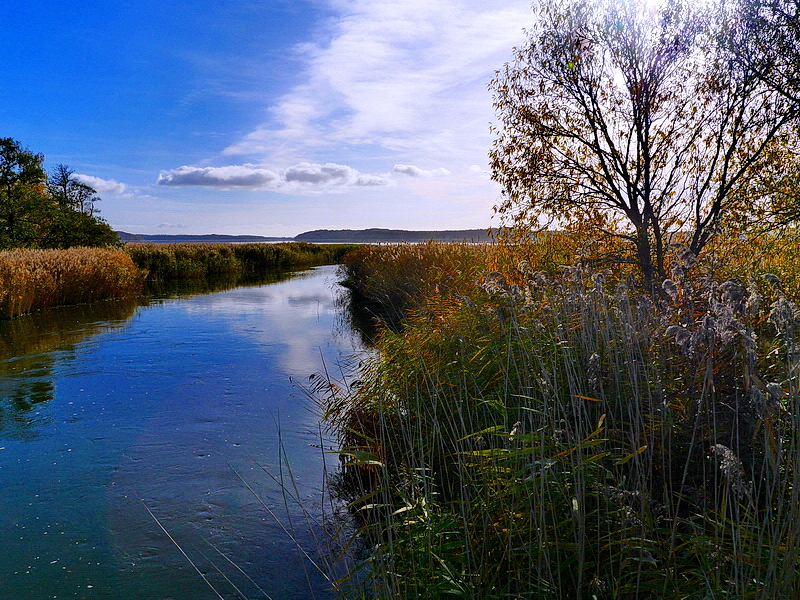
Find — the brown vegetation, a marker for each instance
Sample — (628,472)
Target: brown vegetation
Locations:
(558,433)
(37,279)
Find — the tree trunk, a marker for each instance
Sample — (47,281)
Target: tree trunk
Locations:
(645,259)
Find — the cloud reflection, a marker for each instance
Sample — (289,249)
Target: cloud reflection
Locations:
(297,316)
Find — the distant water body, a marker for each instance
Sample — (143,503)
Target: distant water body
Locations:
(142,447)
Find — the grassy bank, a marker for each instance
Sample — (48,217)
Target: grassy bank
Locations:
(33,280)
(545,433)
(389,281)
(169,262)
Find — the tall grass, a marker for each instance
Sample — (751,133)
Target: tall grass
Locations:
(568,437)
(32,280)
(166,262)
(389,281)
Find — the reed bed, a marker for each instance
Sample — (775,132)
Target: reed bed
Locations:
(32,280)
(566,436)
(168,262)
(389,281)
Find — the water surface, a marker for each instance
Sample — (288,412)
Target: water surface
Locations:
(142,448)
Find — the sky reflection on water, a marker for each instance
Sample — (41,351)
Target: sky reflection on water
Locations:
(166,417)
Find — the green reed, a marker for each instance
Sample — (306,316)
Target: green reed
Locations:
(166,262)
(568,437)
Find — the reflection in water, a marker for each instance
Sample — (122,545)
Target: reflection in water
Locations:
(137,445)
(29,347)
(357,316)
(33,342)
(187,287)
(61,328)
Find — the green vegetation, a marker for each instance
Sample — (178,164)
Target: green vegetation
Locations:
(33,280)
(37,211)
(557,433)
(170,262)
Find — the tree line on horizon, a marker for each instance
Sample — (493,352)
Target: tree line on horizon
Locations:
(46,210)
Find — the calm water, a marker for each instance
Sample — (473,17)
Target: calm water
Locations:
(140,445)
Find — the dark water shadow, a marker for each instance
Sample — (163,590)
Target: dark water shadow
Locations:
(180,288)
(29,348)
(357,315)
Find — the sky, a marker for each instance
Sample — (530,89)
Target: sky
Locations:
(263,117)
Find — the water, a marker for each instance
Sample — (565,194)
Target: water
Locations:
(141,446)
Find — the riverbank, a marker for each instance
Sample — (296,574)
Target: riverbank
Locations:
(168,262)
(535,431)
(32,280)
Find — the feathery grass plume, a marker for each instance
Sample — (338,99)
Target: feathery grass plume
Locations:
(614,401)
(33,280)
(730,466)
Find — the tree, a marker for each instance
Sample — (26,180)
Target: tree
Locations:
(41,212)
(68,227)
(640,124)
(22,197)
(68,191)
(766,38)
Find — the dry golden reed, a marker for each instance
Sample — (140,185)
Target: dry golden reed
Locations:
(32,280)
(551,430)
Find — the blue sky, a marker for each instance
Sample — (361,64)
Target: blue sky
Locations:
(265,117)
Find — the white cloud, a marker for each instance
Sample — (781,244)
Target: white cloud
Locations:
(172,226)
(413,171)
(102,186)
(235,176)
(408,76)
(331,175)
(303,177)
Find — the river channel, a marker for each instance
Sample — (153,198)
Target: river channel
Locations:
(167,449)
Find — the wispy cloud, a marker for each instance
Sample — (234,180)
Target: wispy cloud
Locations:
(301,178)
(386,86)
(408,76)
(171,226)
(102,186)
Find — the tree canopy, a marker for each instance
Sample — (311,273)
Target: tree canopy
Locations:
(653,125)
(37,211)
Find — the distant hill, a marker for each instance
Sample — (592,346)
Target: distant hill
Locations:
(375,236)
(319,236)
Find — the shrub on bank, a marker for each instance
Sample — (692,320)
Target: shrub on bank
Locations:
(165,262)
(569,437)
(37,279)
(394,279)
